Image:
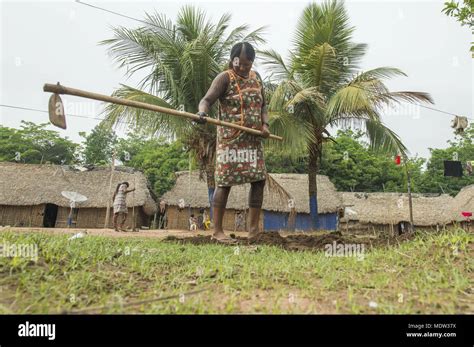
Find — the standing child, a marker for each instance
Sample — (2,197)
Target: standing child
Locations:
(192,223)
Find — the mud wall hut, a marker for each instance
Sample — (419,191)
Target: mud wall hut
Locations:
(30,196)
(191,194)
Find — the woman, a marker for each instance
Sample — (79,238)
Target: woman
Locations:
(239,155)
(120,205)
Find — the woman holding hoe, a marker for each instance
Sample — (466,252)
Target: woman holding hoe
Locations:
(239,155)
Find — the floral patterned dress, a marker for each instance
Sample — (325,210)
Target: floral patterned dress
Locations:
(239,155)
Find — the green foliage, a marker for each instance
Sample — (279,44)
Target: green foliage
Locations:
(364,170)
(98,145)
(353,166)
(462,12)
(433,179)
(36,145)
(156,158)
(277,161)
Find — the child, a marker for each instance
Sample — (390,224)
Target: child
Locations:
(192,223)
(206,221)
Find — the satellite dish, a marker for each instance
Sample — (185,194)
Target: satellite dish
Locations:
(73,196)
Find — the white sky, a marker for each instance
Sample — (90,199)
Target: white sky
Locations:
(45,42)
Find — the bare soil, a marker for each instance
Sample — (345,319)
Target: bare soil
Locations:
(298,242)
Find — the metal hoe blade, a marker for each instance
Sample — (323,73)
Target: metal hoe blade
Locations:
(56,111)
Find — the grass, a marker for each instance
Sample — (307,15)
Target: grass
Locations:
(430,274)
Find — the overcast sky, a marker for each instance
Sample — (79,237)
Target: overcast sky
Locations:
(45,42)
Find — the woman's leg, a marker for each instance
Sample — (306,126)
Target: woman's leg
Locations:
(115,222)
(124,218)
(219,202)
(255,206)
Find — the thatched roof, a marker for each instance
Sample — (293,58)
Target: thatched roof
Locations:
(31,184)
(194,193)
(463,201)
(392,208)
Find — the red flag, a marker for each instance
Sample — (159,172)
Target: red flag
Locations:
(397,160)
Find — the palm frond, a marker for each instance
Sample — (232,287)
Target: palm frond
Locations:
(406,96)
(378,73)
(276,64)
(152,123)
(349,100)
(383,139)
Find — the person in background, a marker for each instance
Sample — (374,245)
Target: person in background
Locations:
(120,205)
(200,219)
(239,222)
(206,220)
(192,223)
(162,212)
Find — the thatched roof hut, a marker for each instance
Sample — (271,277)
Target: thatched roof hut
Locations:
(31,184)
(463,202)
(392,208)
(194,193)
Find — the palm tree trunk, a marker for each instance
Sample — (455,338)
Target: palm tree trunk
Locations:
(313,169)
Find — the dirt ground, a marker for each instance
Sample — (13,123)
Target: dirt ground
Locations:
(111,233)
(295,241)
(298,241)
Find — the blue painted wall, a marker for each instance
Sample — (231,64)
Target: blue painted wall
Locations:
(276,220)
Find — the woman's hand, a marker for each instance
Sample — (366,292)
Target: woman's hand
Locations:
(265,131)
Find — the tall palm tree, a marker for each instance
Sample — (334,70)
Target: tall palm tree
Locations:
(320,86)
(179,61)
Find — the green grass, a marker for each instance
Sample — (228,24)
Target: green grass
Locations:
(431,274)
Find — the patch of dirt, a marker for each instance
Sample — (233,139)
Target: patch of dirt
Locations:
(298,242)
(266,238)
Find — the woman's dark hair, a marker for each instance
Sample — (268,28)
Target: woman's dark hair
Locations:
(237,50)
(116,191)
(128,185)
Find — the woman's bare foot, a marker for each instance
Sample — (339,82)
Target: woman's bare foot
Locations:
(223,238)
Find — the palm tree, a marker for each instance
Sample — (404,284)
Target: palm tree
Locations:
(179,61)
(320,87)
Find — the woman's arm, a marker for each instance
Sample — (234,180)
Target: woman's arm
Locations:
(264,115)
(216,90)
